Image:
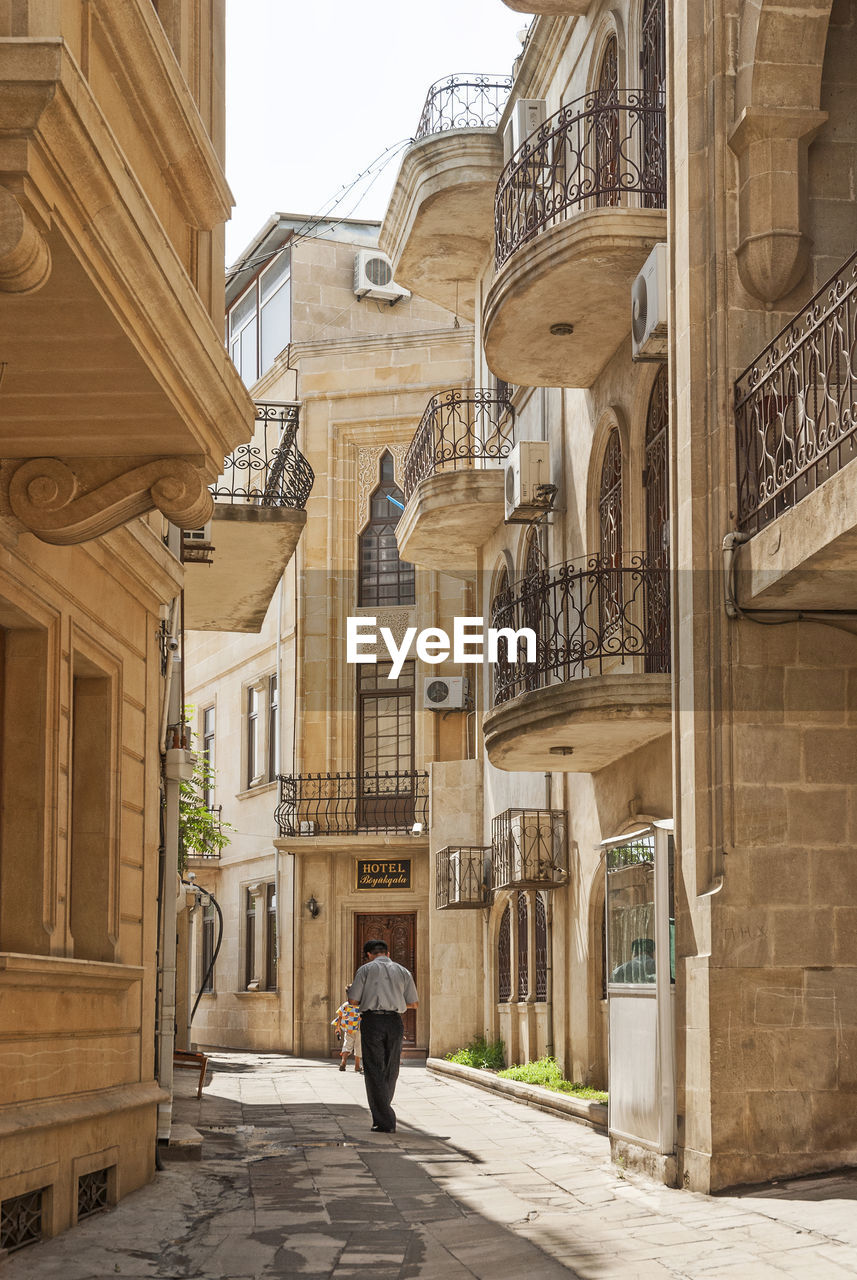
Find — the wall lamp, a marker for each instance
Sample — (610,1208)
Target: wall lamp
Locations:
(312,906)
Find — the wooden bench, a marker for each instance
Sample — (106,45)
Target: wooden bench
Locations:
(194,1062)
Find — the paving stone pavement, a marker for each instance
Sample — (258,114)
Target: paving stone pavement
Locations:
(293,1184)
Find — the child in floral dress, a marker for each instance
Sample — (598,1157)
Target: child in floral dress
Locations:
(347,1023)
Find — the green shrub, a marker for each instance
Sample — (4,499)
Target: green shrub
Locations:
(486,1054)
(546,1072)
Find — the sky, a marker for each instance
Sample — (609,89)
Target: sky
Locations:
(315,92)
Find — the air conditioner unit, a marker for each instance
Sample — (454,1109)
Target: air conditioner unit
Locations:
(527,473)
(649,303)
(307,828)
(527,115)
(445,693)
(373,277)
(532,854)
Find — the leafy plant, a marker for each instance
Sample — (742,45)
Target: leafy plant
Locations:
(488,1055)
(201,832)
(546,1072)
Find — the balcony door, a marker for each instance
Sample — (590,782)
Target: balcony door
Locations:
(399,931)
(657,527)
(385,734)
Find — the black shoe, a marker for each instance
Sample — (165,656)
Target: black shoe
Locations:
(377,1128)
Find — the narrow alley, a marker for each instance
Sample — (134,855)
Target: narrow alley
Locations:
(293,1183)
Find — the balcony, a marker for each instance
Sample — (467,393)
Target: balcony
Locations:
(599,687)
(461,879)
(796,440)
(529,849)
(578,210)
(454,480)
(233,567)
(439,224)
(351,804)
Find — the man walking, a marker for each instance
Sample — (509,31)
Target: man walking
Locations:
(383,990)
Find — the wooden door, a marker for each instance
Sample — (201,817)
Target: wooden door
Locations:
(400,934)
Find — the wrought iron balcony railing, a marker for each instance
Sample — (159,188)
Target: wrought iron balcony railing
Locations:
(458,430)
(465,101)
(314,804)
(462,876)
(796,405)
(270,471)
(529,849)
(588,616)
(595,152)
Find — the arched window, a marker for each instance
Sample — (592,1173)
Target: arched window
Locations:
(610,530)
(657,527)
(501,616)
(384,578)
(607,127)
(504,957)
(523,948)
(653,64)
(533,603)
(541,949)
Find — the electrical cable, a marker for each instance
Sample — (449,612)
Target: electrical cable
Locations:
(309,225)
(197,888)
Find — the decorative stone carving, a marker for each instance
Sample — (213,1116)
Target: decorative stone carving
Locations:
(368,460)
(397,620)
(60,504)
(25,260)
(771,145)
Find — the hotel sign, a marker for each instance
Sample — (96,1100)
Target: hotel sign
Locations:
(374,873)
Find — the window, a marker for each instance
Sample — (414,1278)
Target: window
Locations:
(607,128)
(610,531)
(504,957)
(250,975)
(657,527)
(207,949)
(523,948)
(273,729)
(384,578)
(208,753)
(260,321)
(254,756)
(270,938)
(385,735)
(541,932)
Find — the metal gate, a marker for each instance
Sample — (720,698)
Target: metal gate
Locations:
(640,986)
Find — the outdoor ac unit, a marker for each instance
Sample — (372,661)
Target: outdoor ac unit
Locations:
(445,693)
(373,277)
(649,301)
(532,851)
(307,828)
(526,116)
(527,472)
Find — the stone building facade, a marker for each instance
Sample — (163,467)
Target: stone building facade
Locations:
(117,406)
(684,741)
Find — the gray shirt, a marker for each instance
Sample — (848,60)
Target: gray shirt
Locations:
(382,984)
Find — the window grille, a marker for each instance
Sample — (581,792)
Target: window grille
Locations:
(607,127)
(523,948)
(504,958)
(91,1193)
(657,525)
(541,949)
(610,530)
(21,1220)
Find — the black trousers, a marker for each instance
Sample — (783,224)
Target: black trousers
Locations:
(381,1035)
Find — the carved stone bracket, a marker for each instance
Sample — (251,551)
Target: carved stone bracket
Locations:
(66,503)
(771,145)
(25,260)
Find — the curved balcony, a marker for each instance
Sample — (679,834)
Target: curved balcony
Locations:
(578,210)
(259,501)
(599,686)
(574,7)
(439,224)
(454,480)
(796,441)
